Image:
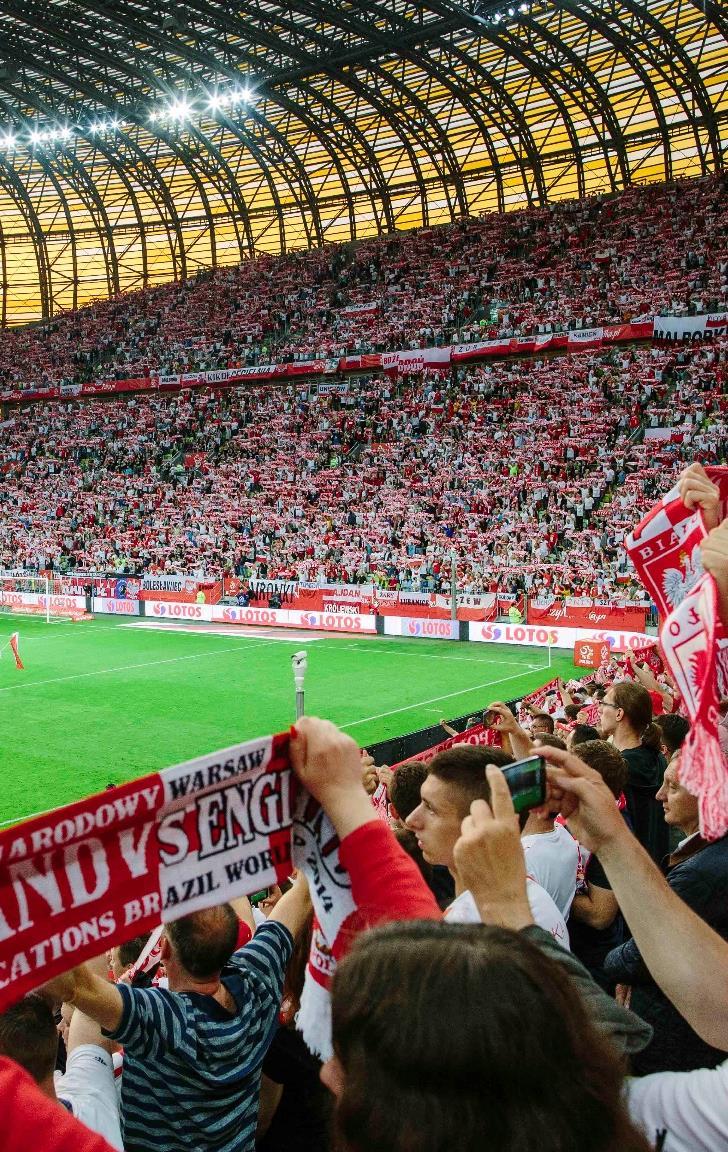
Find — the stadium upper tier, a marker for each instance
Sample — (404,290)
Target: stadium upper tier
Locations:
(531,473)
(593,262)
(141,141)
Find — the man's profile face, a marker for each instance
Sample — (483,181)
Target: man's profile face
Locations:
(436,820)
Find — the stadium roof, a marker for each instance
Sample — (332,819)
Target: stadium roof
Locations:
(143,139)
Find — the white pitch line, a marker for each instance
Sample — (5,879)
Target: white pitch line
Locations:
(432,700)
(128,667)
(454,659)
(18,819)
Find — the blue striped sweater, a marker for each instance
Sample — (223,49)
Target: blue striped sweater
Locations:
(191,1070)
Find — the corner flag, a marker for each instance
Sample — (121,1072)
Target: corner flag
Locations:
(14,648)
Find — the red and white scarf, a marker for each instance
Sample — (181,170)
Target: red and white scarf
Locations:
(665,550)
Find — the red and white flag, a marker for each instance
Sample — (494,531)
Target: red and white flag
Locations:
(665,550)
(14,649)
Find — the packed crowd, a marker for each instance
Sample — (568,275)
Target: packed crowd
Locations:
(534,962)
(530,472)
(651,250)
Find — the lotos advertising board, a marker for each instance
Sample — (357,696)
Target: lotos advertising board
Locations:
(422,629)
(286,618)
(114,607)
(173,610)
(539,637)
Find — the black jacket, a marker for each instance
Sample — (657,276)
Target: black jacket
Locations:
(645,770)
(701,880)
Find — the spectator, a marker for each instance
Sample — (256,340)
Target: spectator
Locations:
(685,1111)
(698,873)
(674,729)
(595,925)
(455,778)
(626,716)
(192,1055)
(31,1120)
(28,1035)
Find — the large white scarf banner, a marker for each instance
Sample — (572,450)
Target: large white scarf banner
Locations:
(96,872)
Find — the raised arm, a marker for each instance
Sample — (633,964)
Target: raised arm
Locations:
(691,975)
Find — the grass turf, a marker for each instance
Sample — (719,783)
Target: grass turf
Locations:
(101,703)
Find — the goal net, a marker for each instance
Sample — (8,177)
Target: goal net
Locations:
(38,596)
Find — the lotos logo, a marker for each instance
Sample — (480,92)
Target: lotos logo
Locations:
(231,615)
(160,609)
(414,628)
(310,620)
(490,632)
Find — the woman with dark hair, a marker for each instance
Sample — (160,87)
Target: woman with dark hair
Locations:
(626,712)
(468,1037)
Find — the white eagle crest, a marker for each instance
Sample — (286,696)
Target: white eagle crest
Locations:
(677,582)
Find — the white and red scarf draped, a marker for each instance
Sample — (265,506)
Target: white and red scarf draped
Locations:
(665,550)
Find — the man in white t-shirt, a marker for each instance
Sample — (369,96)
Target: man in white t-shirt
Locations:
(454,779)
(28,1035)
(552,859)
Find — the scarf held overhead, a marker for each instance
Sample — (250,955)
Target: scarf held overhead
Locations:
(80,878)
(665,550)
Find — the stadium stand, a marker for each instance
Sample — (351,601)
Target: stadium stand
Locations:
(532,472)
(576,265)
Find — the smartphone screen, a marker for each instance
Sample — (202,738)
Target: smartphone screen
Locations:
(526,781)
(258,896)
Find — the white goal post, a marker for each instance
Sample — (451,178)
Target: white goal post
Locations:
(37,595)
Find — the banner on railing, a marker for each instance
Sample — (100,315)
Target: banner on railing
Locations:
(593,616)
(403,360)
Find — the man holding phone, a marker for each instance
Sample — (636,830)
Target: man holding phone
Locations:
(455,778)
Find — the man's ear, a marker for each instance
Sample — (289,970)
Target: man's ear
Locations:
(165,948)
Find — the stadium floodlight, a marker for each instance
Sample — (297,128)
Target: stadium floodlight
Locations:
(36,137)
(179,109)
(8,140)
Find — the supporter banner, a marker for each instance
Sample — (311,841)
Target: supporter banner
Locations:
(542,637)
(264,589)
(477,735)
(352,607)
(114,607)
(690,327)
(563,614)
(585,338)
(406,360)
(369,309)
(335,387)
(115,864)
(172,583)
(424,629)
(301,368)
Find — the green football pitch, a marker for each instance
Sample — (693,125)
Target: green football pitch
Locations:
(102,702)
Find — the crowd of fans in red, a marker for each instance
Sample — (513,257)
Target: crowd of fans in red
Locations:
(531,472)
(594,262)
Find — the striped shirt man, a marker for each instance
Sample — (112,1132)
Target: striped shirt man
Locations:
(191,1069)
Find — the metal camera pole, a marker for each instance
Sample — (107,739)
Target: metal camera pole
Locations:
(299,664)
